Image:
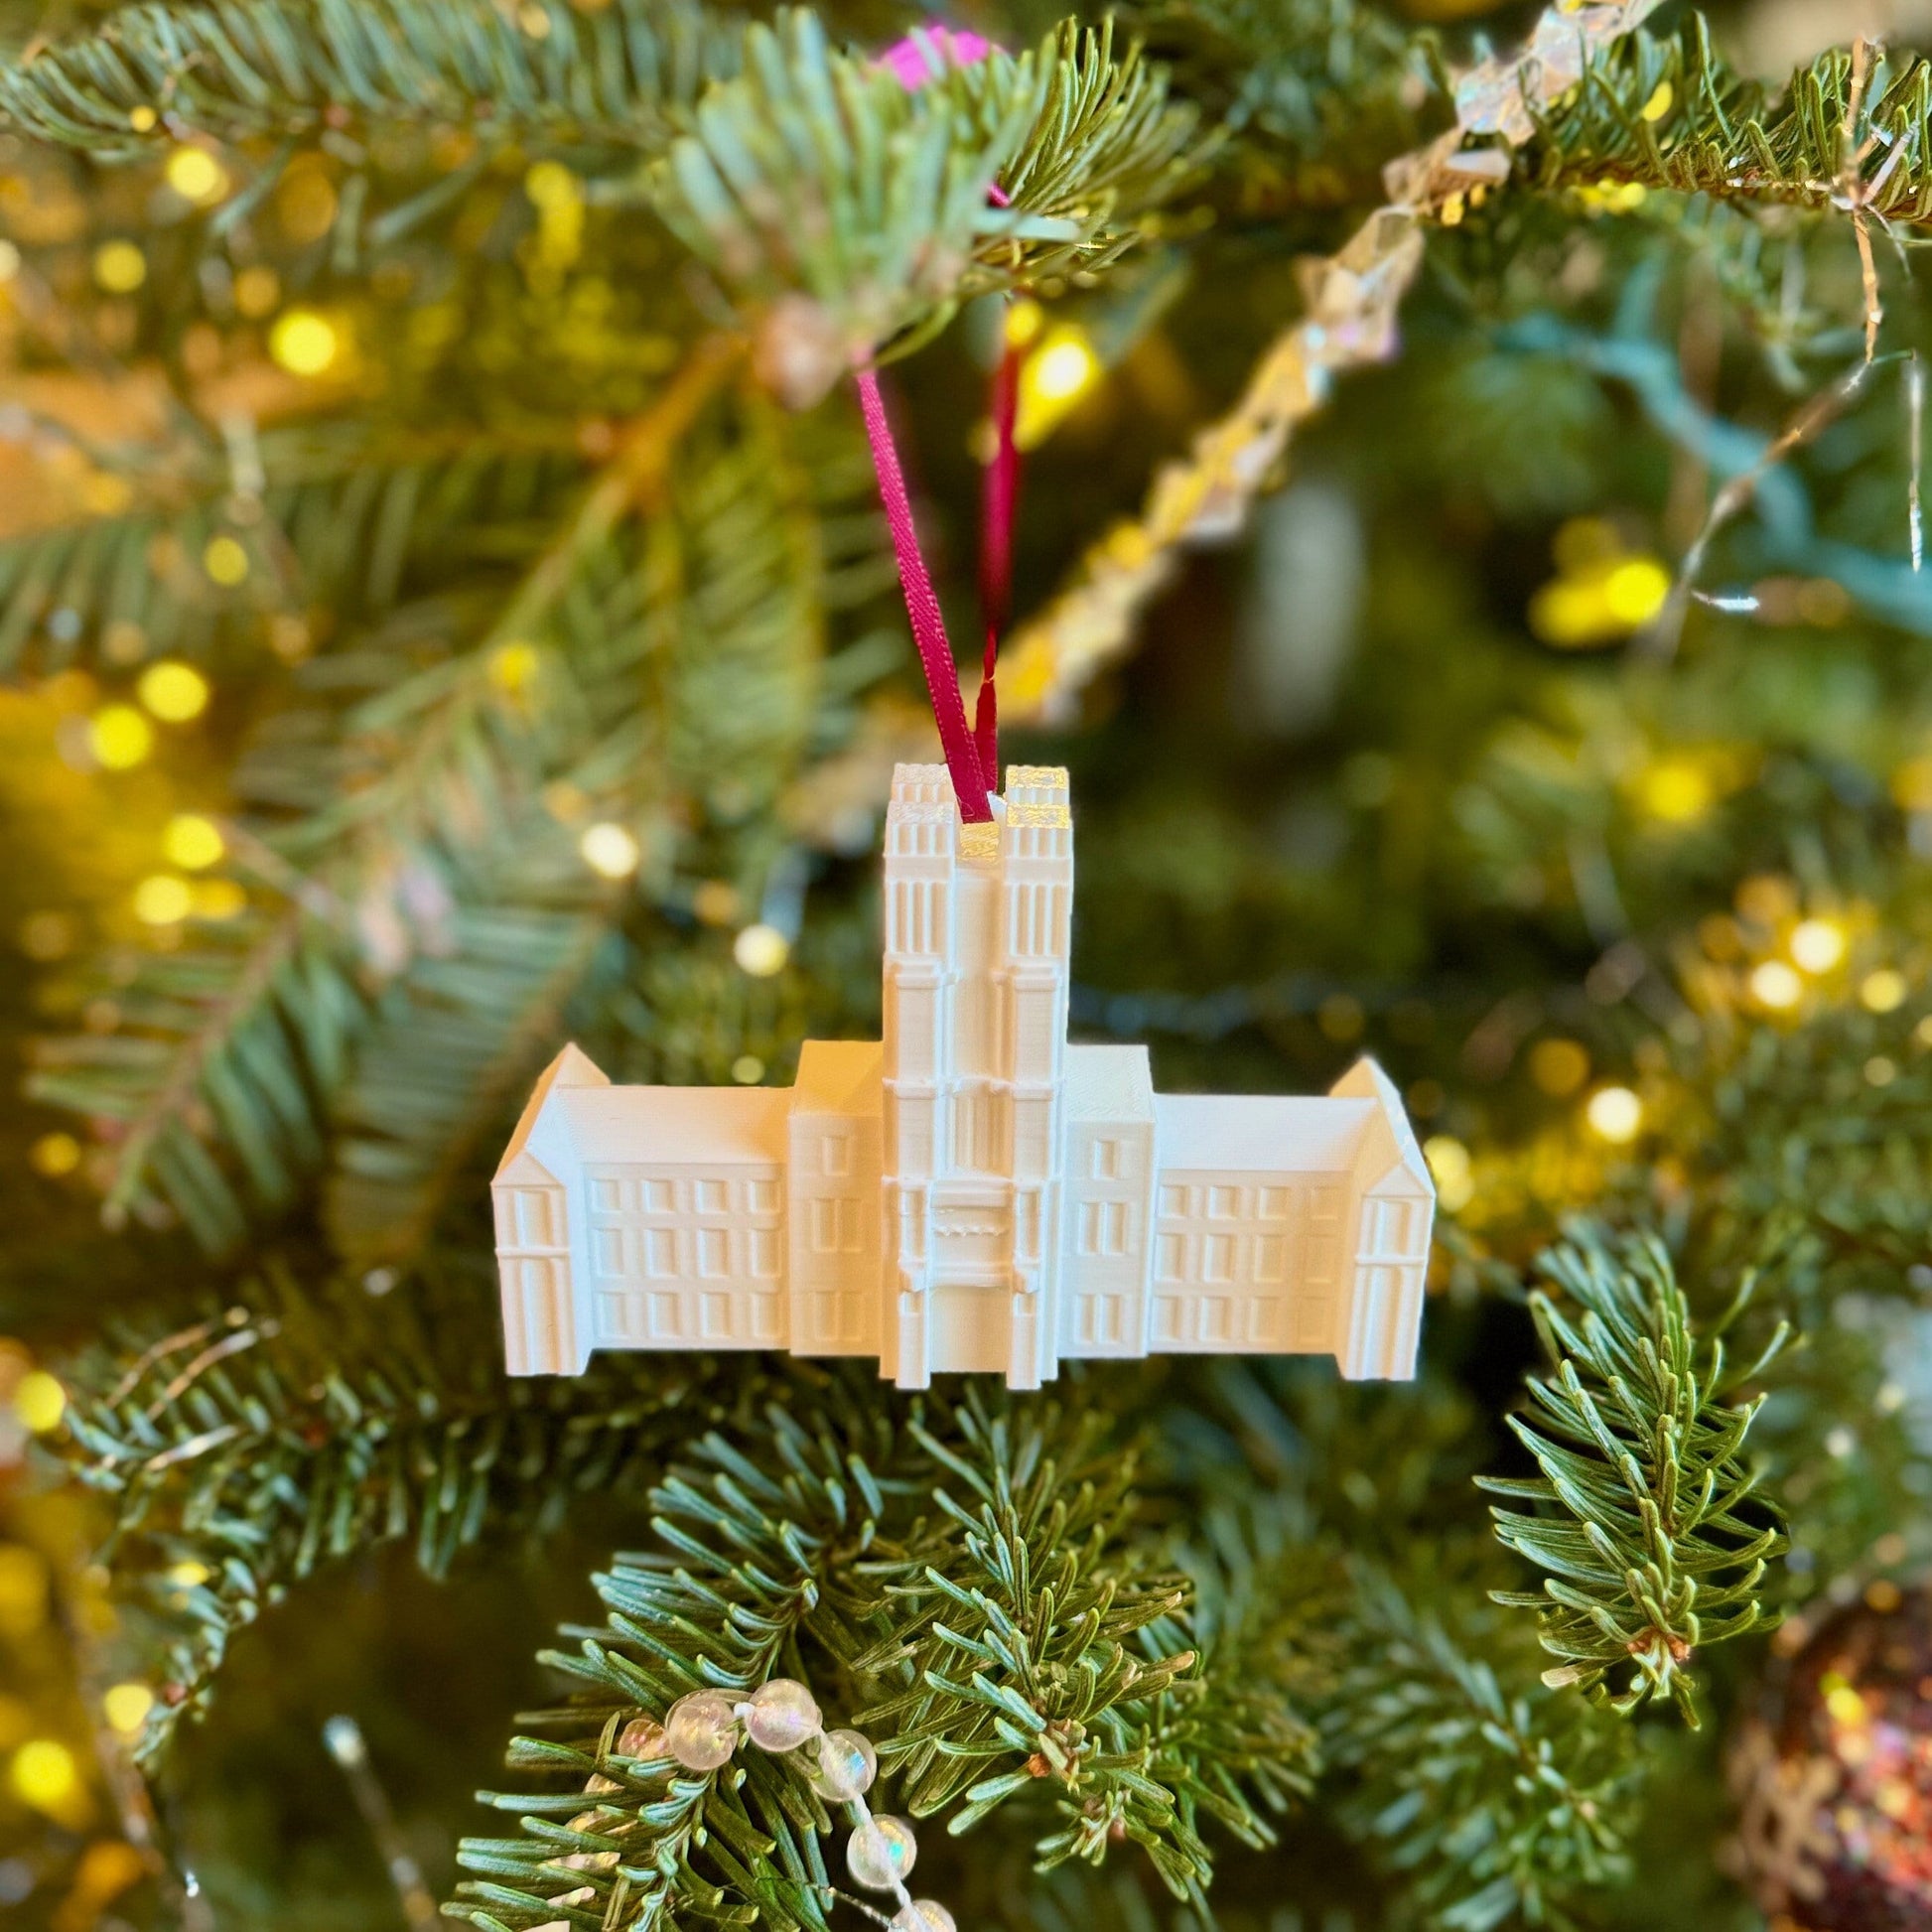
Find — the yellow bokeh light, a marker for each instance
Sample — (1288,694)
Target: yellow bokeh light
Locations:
(192,842)
(126,1706)
(1817,944)
(1676,790)
(1911,785)
(1634,591)
(549,184)
(1558,1066)
(304,342)
(1883,990)
(163,900)
(1662,97)
(257,289)
(610,849)
(513,667)
(44,1774)
(120,267)
(1024,319)
(1776,985)
(119,736)
(196,175)
(142,118)
(188,1574)
(220,898)
(1449,1161)
(1053,378)
(39,1401)
(174,692)
(761,950)
(1615,1114)
(226,561)
(55,1155)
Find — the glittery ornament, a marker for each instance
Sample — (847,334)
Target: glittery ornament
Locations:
(642,1737)
(1834,1781)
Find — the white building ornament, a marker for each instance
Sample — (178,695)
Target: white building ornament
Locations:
(972,1192)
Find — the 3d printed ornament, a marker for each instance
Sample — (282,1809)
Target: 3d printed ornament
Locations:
(970,1192)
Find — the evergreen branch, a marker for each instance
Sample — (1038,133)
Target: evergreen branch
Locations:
(1668,113)
(1648,1522)
(293,70)
(844,207)
(1497,1806)
(979,1578)
(262,1443)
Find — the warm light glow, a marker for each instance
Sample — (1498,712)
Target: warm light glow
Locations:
(748,1070)
(1817,944)
(1614,1114)
(1051,380)
(1676,790)
(762,950)
(142,118)
(513,667)
(192,842)
(611,849)
(39,1401)
(190,1575)
(304,342)
(257,289)
(1659,105)
(174,692)
(120,267)
(119,736)
(1558,1066)
(1883,990)
(126,1706)
(44,1774)
(1635,590)
(1776,985)
(220,898)
(196,175)
(1063,370)
(226,561)
(1449,1161)
(163,900)
(1024,320)
(55,1155)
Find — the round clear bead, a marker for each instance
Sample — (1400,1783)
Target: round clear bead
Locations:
(880,1855)
(642,1737)
(841,1767)
(782,1715)
(701,1731)
(923,1915)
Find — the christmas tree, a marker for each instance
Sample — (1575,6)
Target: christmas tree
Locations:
(1469,557)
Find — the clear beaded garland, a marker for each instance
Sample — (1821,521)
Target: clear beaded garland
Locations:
(882,1853)
(703,1730)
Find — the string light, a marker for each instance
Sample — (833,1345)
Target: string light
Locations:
(1883,990)
(304,342)
(1677,790)
(120,267)
(1053,378)
(1558,1066)
(226,561)
(174,692)
(1773,984)
(119,736)
(1449,1161)
(44,1774)
(1615,1114)
(40,1401)
(195,175)
(762,950)
(192,842)
(163,900)
(610,850)
(126,1706)
(1817,944)
(54,1155)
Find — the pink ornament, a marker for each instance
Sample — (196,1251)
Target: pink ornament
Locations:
(911,60)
